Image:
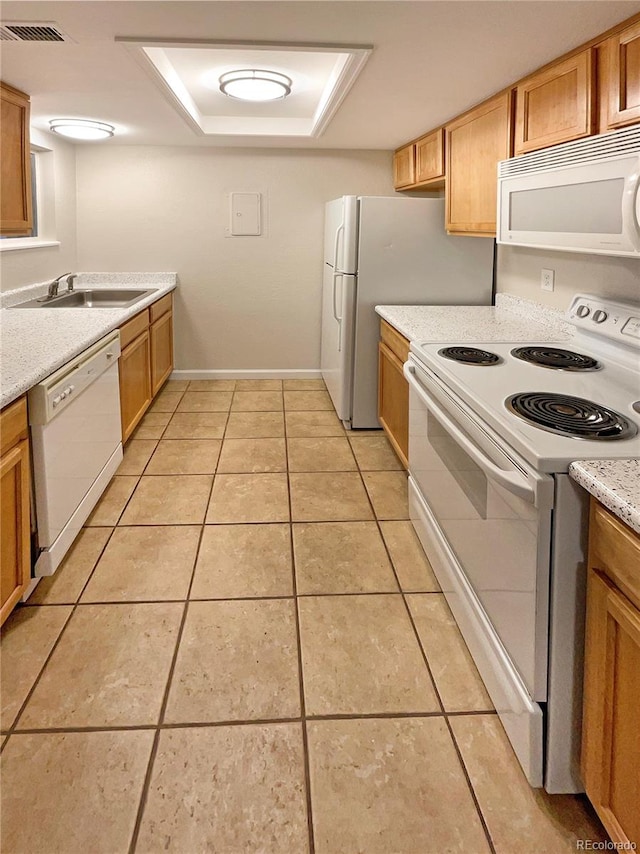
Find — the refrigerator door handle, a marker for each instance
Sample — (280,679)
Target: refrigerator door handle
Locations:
(336,276)
(336,270)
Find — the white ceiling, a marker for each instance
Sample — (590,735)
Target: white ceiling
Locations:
(430,60)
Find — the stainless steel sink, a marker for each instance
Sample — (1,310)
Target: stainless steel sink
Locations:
(96,298)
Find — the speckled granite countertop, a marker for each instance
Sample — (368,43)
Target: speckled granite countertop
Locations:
(36,342)
(511,319)
(615,483)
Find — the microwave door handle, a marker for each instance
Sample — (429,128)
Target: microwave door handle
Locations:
(511,481)
(631,208)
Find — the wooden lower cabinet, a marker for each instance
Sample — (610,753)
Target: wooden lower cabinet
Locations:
(135,382)
(146,360)
(15,526)
(611,716)
(161,351)
(393,390)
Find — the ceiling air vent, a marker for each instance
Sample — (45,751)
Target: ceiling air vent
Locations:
(32,31)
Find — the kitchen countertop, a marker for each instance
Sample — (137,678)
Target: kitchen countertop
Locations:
(511,319)
(615,483)
(36,342)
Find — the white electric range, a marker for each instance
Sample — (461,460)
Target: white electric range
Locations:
(493,429)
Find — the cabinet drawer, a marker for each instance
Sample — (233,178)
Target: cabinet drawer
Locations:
(396,342)
(162,306)
(133,328)
(13,424)
(615,551)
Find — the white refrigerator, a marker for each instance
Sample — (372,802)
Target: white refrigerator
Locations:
(395,251)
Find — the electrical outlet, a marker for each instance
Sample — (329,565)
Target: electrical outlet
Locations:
(546,279)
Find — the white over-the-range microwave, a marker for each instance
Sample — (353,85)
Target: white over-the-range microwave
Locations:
(581,196)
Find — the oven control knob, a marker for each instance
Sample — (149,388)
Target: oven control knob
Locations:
(600,316)
(583,310)
(56,400)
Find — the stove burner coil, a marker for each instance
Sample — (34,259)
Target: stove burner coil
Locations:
(470,355)
(553,357)
(569,416)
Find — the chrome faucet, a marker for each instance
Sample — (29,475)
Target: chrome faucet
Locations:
(55,284)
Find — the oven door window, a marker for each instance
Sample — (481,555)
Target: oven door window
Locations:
(495,535)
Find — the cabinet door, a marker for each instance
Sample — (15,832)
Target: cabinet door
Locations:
(475,143)
(135,382)
(624,77)
(16,216)
(430,157)
(161,351)
(393,401)
(611,720)
(556,105)
(15,567)
(404,170)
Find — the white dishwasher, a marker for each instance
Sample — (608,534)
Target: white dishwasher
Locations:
(74,416)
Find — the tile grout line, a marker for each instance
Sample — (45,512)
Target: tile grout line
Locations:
(242,722)
(303,709)
(146,785)
(227,598)
(433,681)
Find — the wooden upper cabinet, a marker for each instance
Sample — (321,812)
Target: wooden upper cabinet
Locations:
(623,60)
(557,104)
(404,169)
(430,157)
(475,143)
(16,215)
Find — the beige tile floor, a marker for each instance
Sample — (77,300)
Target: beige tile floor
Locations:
(246,650)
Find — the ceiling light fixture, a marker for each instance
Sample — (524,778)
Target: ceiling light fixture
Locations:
(85,129)
(253,84)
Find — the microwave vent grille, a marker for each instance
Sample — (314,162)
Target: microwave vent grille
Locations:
(601,147)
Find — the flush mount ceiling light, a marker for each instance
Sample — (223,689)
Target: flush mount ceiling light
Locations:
(85,129)
(253,84)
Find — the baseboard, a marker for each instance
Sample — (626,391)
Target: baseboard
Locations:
(247,375)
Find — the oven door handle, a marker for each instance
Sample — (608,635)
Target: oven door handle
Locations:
(511,481)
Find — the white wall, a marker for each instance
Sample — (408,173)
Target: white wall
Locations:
(518,272)
(245,302)
(58,215)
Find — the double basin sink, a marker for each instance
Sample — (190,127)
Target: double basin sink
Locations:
(90,298)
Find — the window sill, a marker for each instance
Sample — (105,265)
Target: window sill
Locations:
(12,243)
